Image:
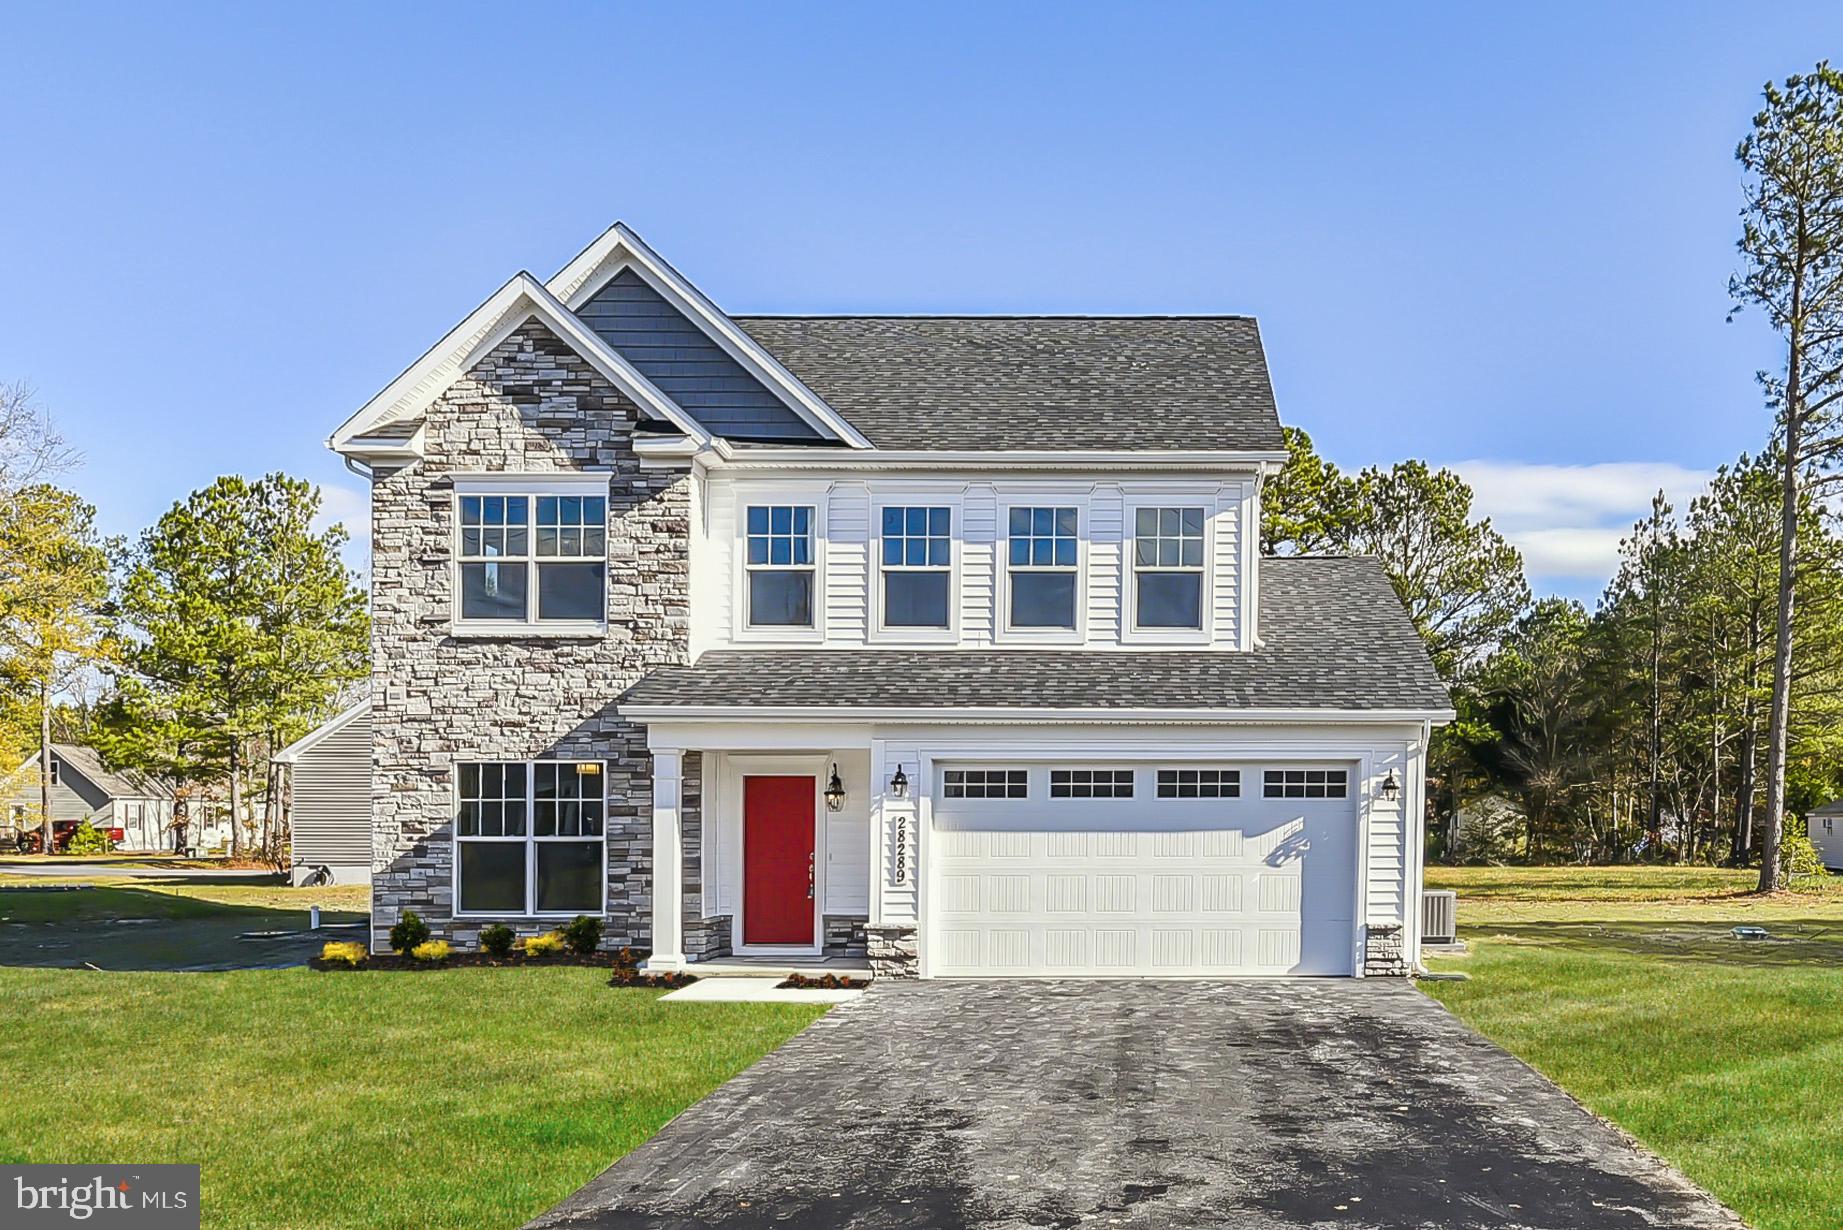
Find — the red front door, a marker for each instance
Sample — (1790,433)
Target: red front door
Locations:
(777,860)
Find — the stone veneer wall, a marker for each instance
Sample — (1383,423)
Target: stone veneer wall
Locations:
(844,935)
(1382,953)
(531,406)
(892,952)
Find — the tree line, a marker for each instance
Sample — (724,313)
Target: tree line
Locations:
(220,634)
(1701,701)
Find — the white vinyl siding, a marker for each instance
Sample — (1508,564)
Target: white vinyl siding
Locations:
(849,574)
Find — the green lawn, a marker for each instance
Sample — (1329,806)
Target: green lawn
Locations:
(467,1098)
(1626,986)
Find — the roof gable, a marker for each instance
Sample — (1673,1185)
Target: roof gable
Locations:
(619,249)
(379,421)
(687,365)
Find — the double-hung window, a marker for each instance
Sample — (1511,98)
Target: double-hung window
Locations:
(529,838)
(917,567)
(1043,561)
(1168,568)
(533,559)
(779,565)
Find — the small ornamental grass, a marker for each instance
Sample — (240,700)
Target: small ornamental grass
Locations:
(431,951)
(344,952)
(544,945)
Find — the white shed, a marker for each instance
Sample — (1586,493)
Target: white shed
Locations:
(1826,826)
(330,809)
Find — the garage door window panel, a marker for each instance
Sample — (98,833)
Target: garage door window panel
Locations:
(1199,783)
(1091,784)
(1305,784)
(986,784)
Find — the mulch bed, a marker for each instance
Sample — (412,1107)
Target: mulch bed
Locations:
(618,961)
(627,976)
(825,982)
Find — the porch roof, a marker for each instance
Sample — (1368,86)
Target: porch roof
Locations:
(1335,640)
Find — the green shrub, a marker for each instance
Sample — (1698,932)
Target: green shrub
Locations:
(88,839)
(544,945)
(409,932)
(496,940)
(431,950)
(347,952)
(1799,857)
(583,935)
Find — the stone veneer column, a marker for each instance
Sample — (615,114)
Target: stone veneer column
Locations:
(668,862)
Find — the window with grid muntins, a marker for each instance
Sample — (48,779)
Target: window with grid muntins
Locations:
(529,837)
(779,563)
(1091,783)
(1168,567)
(917,566)
(1042,557)
(503,578)
(986,784)
(1199,783)
(1305,783)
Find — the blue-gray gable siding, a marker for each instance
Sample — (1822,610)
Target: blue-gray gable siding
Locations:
(688,367)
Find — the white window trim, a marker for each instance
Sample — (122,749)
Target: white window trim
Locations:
(818,498)
(1131,632)
(1237,770)
(956,537)
(57,772)
(530,486)
(529,840)
(1001,618)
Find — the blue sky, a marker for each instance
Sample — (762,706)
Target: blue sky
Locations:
(1498,239)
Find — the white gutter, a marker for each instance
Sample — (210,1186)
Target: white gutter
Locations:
(730,458)
(911,713)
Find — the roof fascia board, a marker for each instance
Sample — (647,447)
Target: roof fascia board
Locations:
(328,728)
(1242,461)
(519,300)
(619,248)
(985,714)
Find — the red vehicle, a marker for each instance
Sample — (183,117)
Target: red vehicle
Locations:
(32,840)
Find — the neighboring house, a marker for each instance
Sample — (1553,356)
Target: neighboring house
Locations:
(1826,827)
(947,638)
(329,800)
(135,809)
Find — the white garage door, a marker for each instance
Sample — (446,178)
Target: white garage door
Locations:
(1148,871)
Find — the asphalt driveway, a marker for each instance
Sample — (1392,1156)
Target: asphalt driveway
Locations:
(1257,1105)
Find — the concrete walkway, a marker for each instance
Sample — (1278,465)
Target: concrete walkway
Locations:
(1257,1105)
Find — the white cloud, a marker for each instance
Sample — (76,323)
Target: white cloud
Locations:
(352,509)
(1568,520)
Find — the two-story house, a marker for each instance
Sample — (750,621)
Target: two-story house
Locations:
(944,637)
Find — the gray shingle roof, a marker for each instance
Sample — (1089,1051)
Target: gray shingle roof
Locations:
(1336,637)
(1035,382)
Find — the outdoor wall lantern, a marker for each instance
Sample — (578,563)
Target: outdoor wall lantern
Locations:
(1391,789)
(899,784)
(835,792)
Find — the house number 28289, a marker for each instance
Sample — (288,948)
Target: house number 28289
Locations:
(900,843)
